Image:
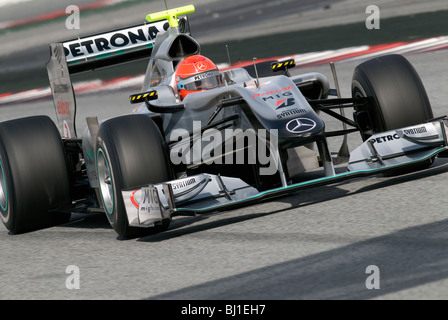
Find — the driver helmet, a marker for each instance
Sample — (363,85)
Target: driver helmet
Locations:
(196,73)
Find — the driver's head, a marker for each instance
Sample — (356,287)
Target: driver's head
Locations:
(196,73)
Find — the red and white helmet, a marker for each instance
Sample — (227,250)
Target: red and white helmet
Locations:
(196,73)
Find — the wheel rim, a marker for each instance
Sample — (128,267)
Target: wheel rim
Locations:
(105,181)
(3,192)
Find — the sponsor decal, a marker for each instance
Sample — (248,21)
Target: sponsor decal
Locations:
(290,112)
(415,131)
(148,201)
(274,92)
(63,107)
(300,125)
(424,132)
(133,201)
(205,75)
(284,103)
(201,66)
(67,133)
(278,96)
(282,99)
(60,88)
(387,138)
(117,40)
(182,184)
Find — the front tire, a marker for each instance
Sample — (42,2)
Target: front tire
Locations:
(34,177)
(130,152)
(400,99)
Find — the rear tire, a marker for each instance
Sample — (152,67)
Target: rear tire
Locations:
(131,152)
(397,90)
(33,174)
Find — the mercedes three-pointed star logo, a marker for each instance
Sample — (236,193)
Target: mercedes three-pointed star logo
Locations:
(300,125)
(201,65)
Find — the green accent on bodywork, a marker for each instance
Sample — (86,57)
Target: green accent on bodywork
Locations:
(91,154)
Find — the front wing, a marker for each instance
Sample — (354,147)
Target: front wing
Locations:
(205,193)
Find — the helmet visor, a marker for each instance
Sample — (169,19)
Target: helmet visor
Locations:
(202,81)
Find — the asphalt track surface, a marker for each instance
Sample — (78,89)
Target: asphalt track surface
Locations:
(314,244)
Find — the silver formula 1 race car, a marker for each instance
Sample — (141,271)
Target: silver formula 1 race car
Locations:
(251,137)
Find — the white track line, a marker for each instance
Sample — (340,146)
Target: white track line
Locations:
(345,54)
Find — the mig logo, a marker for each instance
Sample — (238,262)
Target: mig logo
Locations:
(283,103)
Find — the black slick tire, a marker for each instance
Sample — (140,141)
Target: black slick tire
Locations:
(130,152)
(397,90)
(34,178)
(399,98)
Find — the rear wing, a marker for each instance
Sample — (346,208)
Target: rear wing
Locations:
(94,52)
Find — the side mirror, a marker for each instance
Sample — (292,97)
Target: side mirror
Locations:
(283,65)
(140,97)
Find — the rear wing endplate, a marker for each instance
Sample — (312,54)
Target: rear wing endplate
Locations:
(94,52)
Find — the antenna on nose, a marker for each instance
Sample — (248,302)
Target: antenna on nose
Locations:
(228,55)
(257,82)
